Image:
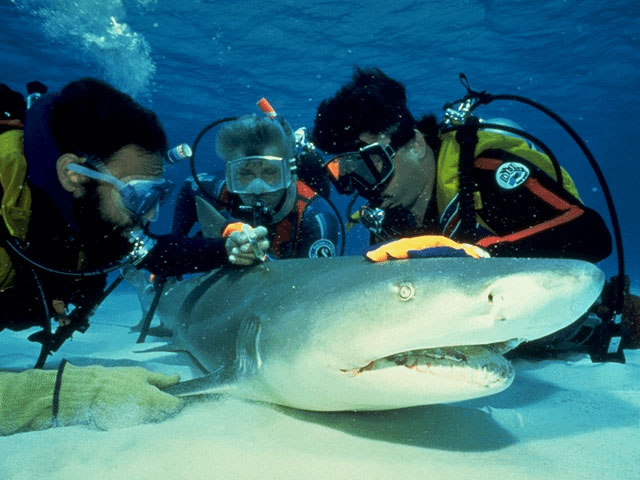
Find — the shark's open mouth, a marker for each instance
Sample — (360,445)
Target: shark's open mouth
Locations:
(484,362)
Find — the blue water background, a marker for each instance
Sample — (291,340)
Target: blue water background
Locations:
(195,61)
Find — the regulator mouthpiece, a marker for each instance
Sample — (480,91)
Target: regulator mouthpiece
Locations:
(372,219)
(179,153)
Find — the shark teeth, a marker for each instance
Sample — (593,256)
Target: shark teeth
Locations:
(485,361)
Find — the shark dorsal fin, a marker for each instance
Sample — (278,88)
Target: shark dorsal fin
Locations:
(211,220)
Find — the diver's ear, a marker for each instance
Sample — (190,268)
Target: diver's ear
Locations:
(418,145)
(70,181)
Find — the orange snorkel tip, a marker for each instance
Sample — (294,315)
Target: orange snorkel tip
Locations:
(266,108)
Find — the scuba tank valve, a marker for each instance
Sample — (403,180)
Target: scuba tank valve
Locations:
(458,115)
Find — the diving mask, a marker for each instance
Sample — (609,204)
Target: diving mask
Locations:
(258,174)
(368,170)
(139,197)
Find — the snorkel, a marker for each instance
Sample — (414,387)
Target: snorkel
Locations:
(286,204)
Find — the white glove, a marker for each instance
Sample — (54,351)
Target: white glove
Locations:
(247,246)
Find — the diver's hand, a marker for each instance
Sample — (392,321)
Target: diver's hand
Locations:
(247,245)
(98,396)
(115,397)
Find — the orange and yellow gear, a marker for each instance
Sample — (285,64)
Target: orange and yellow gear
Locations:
(399,249)
(15,206)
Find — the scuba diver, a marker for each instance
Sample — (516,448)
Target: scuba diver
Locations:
(81,177)
(260,186)
(470,183)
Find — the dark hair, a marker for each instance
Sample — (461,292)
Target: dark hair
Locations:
(92,117)
(12,104)
(430,128)
(371,102)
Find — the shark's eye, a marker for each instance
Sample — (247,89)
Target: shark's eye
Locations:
(406,291)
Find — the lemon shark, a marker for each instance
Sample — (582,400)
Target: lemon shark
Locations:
(346,334)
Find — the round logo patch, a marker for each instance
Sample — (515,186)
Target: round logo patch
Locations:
(322,248)
(511,175)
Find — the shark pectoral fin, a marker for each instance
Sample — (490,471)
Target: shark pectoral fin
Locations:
(216,382)
(176,349)
(162,348)
(247,355)
(211,220)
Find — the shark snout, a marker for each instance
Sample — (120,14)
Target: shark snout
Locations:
(536,304)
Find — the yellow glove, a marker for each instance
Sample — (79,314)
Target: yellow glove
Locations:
(98,396)
(424,246)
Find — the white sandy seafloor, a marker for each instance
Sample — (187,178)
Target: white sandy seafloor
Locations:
(567,419)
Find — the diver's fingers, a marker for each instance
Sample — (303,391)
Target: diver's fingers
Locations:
(238,238)
(242,259)
(247,235)
(233,245)
(247,248)
(242,251)
(260,232)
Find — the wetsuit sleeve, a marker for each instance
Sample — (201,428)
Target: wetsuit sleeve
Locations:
(185,215)
(319,234)
(538,218)
(176,255)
